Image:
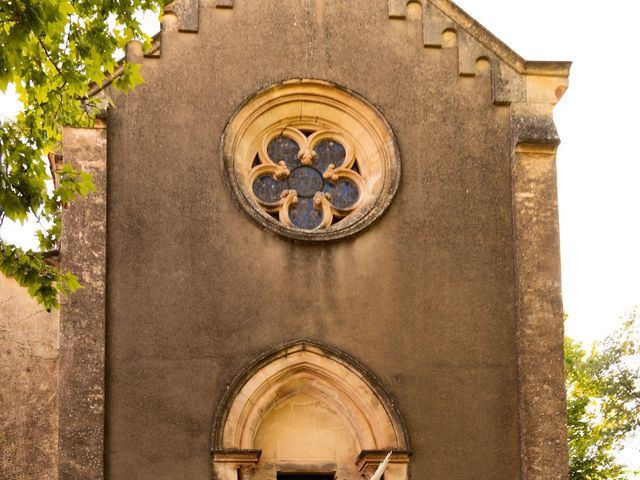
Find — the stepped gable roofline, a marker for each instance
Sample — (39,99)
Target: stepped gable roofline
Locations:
(437,14)
(398,10)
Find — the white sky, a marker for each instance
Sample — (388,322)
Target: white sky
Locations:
(598,162)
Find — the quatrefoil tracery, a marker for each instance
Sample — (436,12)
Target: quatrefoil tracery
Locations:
(308,181)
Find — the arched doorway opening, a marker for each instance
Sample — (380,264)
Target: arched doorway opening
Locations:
(307,409)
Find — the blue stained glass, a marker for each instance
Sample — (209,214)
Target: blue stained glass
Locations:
(267,189)
(304,216)
(328,152)
(344,193)
(306,181)
(283,148)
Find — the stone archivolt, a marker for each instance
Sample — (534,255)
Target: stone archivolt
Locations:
(307,393)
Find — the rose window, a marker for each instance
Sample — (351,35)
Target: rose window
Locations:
(307,180)
(310,161)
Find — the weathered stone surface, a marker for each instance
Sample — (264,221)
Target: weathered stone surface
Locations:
(435,298)
(534,128)
(187,13)
(474,43)
(82,316)
(434,23)
(28,386)
(540,324)
(508,85)
(425,297)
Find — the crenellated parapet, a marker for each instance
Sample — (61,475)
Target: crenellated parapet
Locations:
(445,25)
(224,3)
(476,46)
(531,88)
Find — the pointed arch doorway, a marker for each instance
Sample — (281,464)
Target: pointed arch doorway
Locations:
(307,411)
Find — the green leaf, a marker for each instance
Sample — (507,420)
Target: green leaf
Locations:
(603,402)
(129,78)
(70,281)
(53,54)
(66,8)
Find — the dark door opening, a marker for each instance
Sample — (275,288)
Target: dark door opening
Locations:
(306,476)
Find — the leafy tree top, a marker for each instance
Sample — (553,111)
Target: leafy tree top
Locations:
(53,50)
(603,402)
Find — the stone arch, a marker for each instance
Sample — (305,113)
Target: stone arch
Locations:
(281,392)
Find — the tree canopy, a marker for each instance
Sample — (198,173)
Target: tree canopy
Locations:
(603,402)
(53,50)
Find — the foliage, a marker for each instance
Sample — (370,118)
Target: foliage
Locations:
(53,50)
(603,394)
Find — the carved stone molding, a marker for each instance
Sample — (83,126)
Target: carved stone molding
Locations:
(304,376)
(532,120)
(397,469)
(336,134)
(227,463)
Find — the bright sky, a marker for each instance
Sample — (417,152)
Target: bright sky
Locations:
(598,162)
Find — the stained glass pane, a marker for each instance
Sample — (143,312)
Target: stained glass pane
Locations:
(344,193)
(303,215)
(267,189)
(283,148)
(306,181)
(328,152)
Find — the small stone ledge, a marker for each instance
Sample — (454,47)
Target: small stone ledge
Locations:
(374,457)
(236,456)
(532,129)
(397,469)
(228,463)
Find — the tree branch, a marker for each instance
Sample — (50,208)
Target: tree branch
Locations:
(46,52)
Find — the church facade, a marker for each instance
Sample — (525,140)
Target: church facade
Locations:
(324,231)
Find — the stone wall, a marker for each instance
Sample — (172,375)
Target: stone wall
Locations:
(440,299)
(28,386)
(425,298)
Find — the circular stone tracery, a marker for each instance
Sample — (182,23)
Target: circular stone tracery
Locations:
(310,184)
(310,161)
